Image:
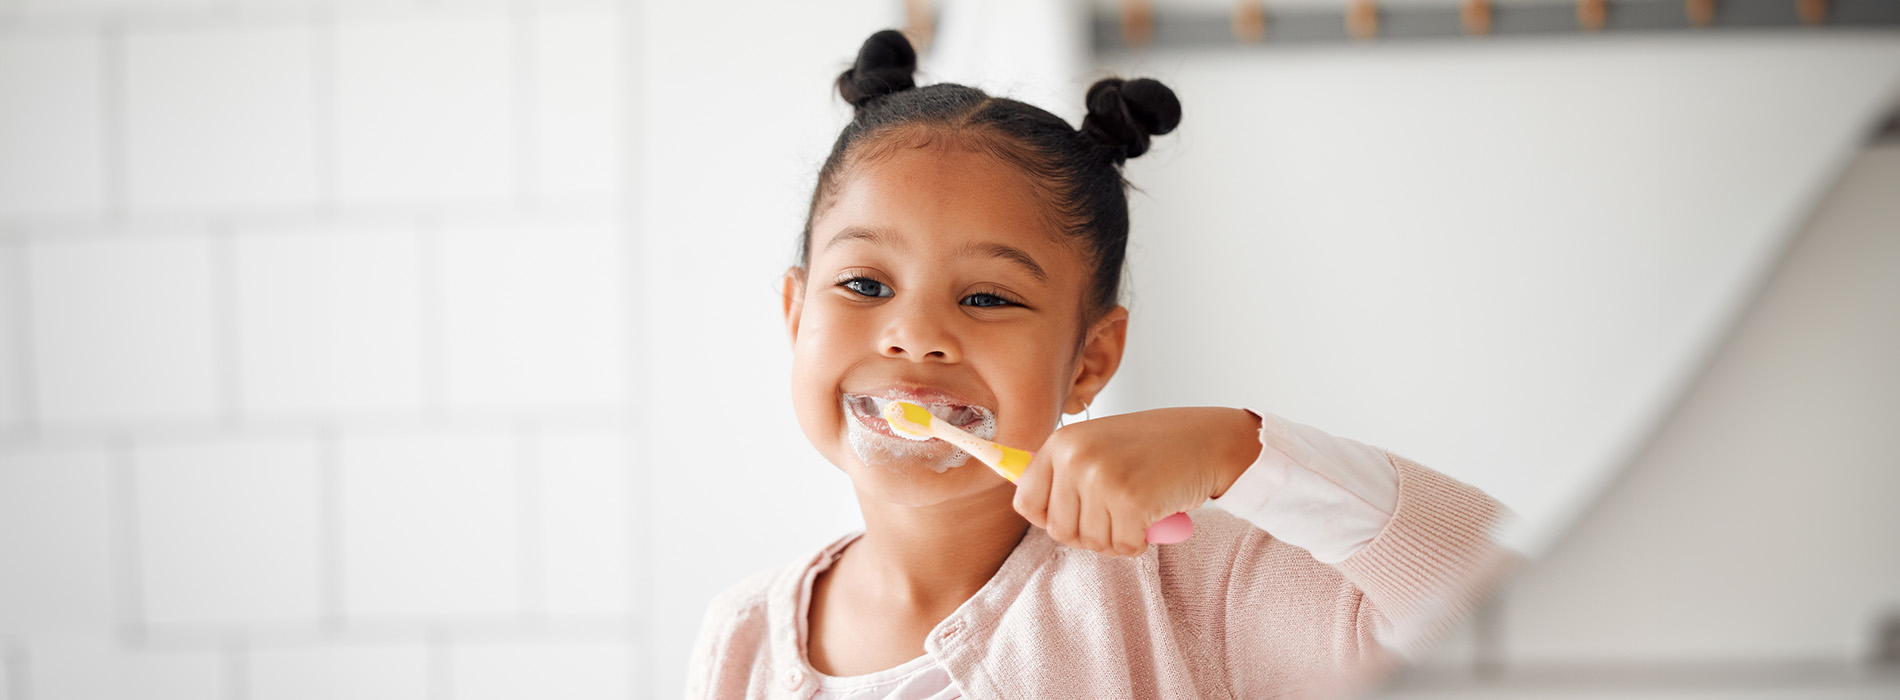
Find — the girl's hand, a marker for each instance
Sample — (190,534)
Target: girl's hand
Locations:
(1099,484)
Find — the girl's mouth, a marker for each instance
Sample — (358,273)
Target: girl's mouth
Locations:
(869,412)
(877,444)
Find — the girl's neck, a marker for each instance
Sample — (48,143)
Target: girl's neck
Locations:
(933,557)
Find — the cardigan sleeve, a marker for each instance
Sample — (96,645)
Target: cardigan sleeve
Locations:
(1327,495)
(1357,558)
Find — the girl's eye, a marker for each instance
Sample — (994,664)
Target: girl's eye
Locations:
(867,287)
(986,300)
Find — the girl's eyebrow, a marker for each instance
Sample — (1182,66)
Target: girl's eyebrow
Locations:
(864,233)
(1010,253)
(994,250)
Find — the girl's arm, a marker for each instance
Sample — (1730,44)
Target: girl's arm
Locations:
(1325,494)
(1358,548)
(1418,546)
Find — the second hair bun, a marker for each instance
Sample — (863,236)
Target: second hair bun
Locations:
(1123,114)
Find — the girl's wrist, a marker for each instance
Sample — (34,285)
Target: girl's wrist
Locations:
(1242,442)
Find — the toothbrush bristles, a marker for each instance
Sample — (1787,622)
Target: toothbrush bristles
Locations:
(908,420)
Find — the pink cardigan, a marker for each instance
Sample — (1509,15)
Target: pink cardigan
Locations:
(1230,613)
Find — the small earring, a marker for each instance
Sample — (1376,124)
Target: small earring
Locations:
(1062,418)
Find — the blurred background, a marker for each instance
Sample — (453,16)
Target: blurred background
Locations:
(379,348)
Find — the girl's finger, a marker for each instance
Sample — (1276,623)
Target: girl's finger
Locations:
(1131,536)
(1096,532)
(1064,507)
(1032,492)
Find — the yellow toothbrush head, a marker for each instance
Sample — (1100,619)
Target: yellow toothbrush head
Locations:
(908,420)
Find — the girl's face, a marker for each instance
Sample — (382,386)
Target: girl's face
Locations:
(934,279)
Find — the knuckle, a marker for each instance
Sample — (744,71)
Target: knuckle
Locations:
(1063,532)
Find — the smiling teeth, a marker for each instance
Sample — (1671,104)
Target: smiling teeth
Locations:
(949,413)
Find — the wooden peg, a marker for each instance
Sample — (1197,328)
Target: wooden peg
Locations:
(1476,17)
(1362,19)
(1591,14)
(920,25)
(1812,12)
(1701,12)
(1138,23)
(1250,22)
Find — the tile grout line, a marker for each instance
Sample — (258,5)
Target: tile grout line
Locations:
(123,516)
(530,571)
(429,280)
(224,323)
(26,356)
(633,261)
(329,531)
(640,579)
(323,79)
(267,220)
(525,52)
(112,99)
(583,418)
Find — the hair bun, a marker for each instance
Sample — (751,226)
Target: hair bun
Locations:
(885,65)
(1123,114)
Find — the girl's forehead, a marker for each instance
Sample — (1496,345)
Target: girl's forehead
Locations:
(941,197)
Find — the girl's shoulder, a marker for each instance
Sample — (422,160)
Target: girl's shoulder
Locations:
(749,632)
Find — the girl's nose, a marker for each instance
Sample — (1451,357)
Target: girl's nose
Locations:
(920,336)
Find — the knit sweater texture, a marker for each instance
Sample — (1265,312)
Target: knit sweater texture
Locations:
(1230,613)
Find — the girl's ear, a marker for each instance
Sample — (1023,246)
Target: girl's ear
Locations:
(792,295)
(1101,356)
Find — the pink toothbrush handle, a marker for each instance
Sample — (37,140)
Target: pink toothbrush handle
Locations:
(1172,529)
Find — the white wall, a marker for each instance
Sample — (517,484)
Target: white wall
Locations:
(1750,545)
(1500,258)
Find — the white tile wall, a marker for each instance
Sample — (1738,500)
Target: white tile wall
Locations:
(329,321)
(89,670)
(52,154)
(123,329)
(425,108)
(311,347)
(369,672)
(220,116)
(577,94)
(534,313)
(57,572)
(93,8)
(430,525)
(228,532)
(572,671)
(585,505)
(14,383)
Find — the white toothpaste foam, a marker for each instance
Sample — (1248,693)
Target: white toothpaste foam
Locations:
(875,448)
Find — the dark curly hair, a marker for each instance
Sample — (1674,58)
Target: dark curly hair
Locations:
(1077,172)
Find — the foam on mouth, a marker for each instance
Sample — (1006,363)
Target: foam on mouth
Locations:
(875,447)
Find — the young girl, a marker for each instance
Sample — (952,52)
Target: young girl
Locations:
(964,252)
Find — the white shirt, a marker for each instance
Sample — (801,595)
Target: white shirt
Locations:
(1325,494)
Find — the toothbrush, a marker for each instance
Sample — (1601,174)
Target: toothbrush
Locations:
(914,422)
